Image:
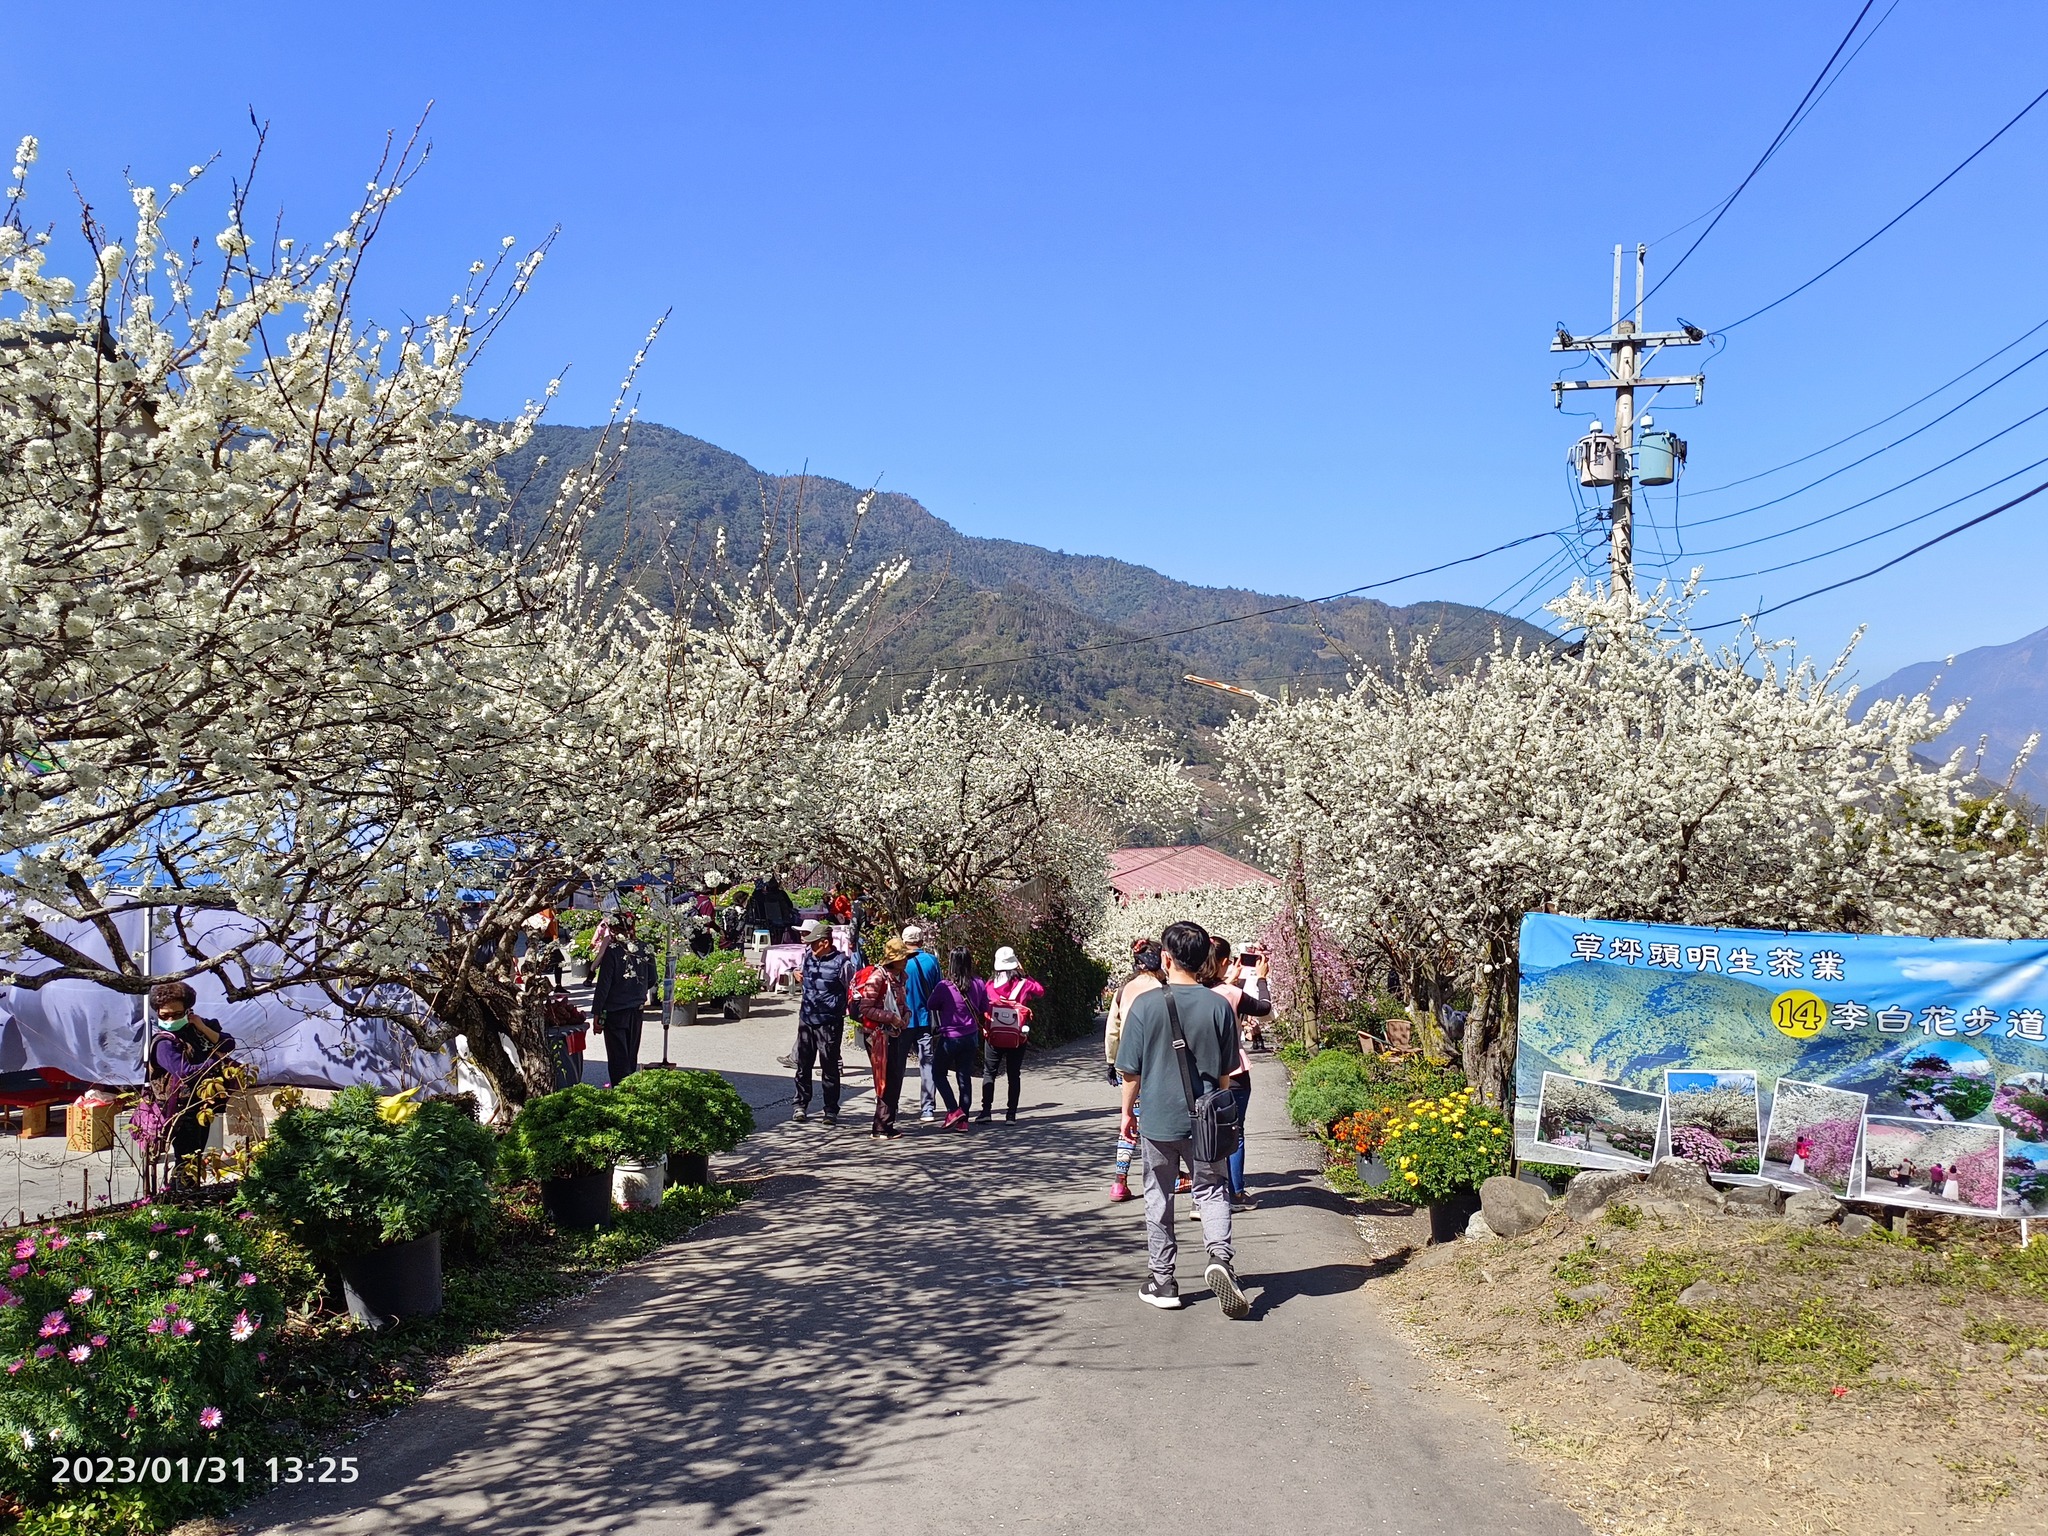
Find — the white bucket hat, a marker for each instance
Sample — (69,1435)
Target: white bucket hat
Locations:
(1006,961)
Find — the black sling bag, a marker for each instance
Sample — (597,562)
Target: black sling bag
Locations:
(1214,1115)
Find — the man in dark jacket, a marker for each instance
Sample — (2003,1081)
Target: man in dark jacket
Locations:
(821,1019)
(770,907)
(625,975)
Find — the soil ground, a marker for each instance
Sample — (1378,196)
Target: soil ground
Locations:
(1811,1382)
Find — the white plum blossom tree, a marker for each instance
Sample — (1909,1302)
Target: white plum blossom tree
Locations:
(1643,774)
(1239,913)
(277,641)
(957,795)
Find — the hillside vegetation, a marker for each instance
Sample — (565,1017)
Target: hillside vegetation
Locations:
(973,600)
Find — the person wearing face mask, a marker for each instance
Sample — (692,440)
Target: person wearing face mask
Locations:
(183,1049)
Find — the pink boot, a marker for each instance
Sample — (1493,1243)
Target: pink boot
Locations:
(1119,1189)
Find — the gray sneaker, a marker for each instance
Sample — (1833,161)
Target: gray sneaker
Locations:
(801,1115)
(1223,1281)
(1161,1293)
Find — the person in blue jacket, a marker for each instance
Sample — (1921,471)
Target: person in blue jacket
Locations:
(920,981)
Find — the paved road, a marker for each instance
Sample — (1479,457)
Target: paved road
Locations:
(941,1334)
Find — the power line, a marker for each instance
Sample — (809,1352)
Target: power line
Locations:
(1888,447)
(1918,517)
(1729,485)
(1866,501)
(1778,139)
(1951,176)
(1850,581)
(1797,122)
(1169,634)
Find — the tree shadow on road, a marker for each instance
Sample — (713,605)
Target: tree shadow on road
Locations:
(732,1379)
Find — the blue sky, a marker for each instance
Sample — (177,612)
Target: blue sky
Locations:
(1255,294)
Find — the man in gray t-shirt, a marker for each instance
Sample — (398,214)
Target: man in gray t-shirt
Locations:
(1156,1092)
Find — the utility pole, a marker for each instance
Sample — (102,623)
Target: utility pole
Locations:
(1628,349)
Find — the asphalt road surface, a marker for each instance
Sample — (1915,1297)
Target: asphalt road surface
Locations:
(942,1334)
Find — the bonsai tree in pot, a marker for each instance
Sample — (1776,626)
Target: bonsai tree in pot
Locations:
(368,1185)
(568,1141)
(701,1112)
(1439,1151)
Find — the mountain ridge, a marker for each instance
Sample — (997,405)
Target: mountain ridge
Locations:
(2006,689)
(987,608)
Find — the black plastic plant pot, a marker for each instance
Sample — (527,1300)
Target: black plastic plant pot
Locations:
(396,1281)
(691,1168)
(1449,1216)
(580,1203)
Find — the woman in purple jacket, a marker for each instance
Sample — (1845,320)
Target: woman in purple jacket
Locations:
(183,1051)
(959,1004)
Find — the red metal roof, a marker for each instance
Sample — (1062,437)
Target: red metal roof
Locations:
(1137,872)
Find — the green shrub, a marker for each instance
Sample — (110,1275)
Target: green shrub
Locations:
(1073,982)
(144,1334)
(346,1179)
(1295,1054)
(581,1130)
(809,896)
(700,1111)
(1330,1086)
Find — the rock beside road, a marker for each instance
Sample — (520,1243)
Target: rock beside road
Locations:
(1753,1200)
(1856,1224)
(1512,1207)
(1676,1179)
(1812,1208)
(1590,1191)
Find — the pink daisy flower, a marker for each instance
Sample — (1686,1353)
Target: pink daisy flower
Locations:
(59,1242)
(209,1418)
(99,1341)
(185,1279)
(159,1226)
(78,1354)
(54,1324)
(15,1272)
(25,1249)
(81,1296)
(13,1366)
(243,1330)
(157,1325)
(182,1327)
(246,1279)
(44,1351)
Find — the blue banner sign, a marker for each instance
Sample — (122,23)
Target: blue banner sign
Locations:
(1908,1071)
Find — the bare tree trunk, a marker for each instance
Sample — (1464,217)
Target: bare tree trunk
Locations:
(1489,1054)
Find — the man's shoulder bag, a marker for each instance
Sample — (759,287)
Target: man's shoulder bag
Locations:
(1215,1116)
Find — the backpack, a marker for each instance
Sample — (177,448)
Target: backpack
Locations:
(1009,1025)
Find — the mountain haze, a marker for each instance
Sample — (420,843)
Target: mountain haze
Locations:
(2005,688)
(971,600)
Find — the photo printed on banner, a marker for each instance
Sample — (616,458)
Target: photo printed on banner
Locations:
(1811,1143)
(1716,1121)
(1598,1125)
(1932,1165)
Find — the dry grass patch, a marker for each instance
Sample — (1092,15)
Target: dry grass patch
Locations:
(1716,1375)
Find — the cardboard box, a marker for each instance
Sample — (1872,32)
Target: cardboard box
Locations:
(89,1125)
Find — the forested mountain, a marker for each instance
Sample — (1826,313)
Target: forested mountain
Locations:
(969,600)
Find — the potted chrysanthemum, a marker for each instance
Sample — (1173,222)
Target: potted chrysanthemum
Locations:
(1439,1151)
(570,1140)
(369,1185)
